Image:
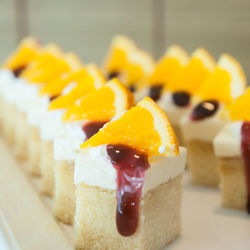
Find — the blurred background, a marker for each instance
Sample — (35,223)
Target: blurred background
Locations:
(87,26)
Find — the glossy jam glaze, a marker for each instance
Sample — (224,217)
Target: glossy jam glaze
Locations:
(130,166)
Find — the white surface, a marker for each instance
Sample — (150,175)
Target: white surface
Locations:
(207,226)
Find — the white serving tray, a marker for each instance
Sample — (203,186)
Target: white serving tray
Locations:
(27,223)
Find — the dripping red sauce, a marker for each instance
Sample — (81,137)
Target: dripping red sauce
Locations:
(130,166)
(245,149)
(92,128)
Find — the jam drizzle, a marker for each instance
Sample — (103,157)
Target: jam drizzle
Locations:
(130,166)
(245,150)
(155,92)
(204,109)
(112,75)
(181,98)
(17,72)
(132,88)
(53,97)
(92,128)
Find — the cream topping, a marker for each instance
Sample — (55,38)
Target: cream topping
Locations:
(67,146)
(205,129)
(52,126)
(94,168)
(228,142)
(174,112)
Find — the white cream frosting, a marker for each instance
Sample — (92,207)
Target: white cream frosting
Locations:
(205,129)
(7,82)
(228,142)
(174,112)
(94,168)
(52,126)
(24,96)
(38,109)
(67,146)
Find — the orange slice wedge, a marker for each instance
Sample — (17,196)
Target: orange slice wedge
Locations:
(169,65)
(144,127)
(227,82)
(27,51)
(117,55)
(44,65)
(191,77)
(239,109)
(140,65)
(55,87)
(101,105)
(91,82)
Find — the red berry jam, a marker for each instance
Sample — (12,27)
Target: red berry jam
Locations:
(181,98)
(53,97)
(17,72)
(130,166)
(112,75)
(245,149)
(92,128)
(155,92)
(132,88)
(204,110)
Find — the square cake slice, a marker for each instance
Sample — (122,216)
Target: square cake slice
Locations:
(128,179)
(158,221)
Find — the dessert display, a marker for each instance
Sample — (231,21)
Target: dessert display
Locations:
(232,147)
(81,121)
(104,144)
(175,80)
(208,117)
(80,83)
(135,182)
(127,62)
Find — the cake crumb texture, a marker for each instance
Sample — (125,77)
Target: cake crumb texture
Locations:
(159,218)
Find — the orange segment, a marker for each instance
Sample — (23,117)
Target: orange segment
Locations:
(139,65)
(27,51)
(55,87)
(169,65)
(117,55)
(49,64)
(91,82)
(239,110)
(144,127)
(226,83)
(191,77)
(101,105)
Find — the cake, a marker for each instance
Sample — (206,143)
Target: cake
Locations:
(127,62)
(175,80)
(128,179)
(15,64)
(81,121)
(85,81)
(117,56)
(232,146)
(208,117)
(51,64)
